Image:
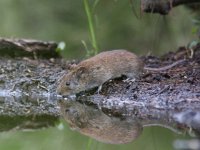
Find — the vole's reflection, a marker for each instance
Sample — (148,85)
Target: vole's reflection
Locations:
(94,123)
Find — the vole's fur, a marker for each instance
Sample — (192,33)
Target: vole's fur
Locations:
(96,70)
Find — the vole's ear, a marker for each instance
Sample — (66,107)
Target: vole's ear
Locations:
(82,70)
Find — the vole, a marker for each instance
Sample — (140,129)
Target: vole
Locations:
(95,71)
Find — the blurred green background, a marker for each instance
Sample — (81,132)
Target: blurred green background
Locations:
(116,27)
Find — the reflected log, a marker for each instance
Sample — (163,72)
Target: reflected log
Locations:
(97,123)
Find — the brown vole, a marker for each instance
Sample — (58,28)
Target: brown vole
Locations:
(95,71)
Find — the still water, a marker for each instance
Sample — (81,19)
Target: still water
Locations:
(152,138)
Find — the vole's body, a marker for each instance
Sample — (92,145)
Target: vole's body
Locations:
(96,70)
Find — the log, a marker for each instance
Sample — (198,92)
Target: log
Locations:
(27,48)
(26,84)
(29,100)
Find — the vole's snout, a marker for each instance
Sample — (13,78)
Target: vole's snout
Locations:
(60,90)
(64,89)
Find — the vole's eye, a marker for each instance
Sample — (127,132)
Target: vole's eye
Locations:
(67,84)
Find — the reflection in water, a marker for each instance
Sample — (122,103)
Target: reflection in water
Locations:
(94,123)
(107,128)
(189,118)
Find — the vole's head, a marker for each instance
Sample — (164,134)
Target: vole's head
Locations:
(73,82)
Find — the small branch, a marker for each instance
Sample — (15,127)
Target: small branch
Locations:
(163,6)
